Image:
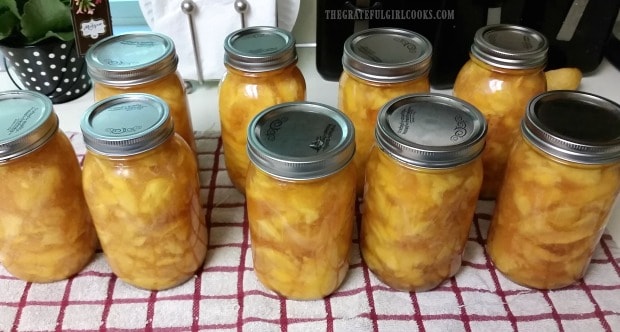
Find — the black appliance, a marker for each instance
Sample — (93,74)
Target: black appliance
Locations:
(578,30)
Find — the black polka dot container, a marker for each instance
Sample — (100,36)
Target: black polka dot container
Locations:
(52,68)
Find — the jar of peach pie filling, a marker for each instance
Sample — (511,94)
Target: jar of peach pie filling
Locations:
(422,183)
(261,71)
(141,185)
(301,198)
(504,72)
(562,178)
(46,232)
(379,64)
(141,62)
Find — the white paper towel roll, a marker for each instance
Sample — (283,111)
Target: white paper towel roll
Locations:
(213,21)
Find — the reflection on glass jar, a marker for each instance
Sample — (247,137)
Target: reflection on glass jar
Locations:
(261,64)
(301,198)
(504,72)
(141,185)
(379,65)
(422,183)
(46,232)
(562,178)
(141,62)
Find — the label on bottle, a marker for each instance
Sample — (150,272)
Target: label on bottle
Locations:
(91,22)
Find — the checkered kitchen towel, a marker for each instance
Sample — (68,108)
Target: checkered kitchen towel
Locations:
(225,294)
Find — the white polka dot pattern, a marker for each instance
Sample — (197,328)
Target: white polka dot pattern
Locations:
(54,69)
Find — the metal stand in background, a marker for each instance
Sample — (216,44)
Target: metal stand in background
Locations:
(188,7)
(241,6)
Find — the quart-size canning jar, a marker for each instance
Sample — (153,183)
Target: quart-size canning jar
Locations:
(379,64)
(46,233)
(504,72)
(261,71)
(141,62)
(422,183)
(562,178)
(141,185)
(301,198)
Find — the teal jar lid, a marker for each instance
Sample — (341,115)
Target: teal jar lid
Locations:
(510,46)
(126,124)
(387,55)
(431,130)
(132,58)
(259,49)
(301,140)
(27,120)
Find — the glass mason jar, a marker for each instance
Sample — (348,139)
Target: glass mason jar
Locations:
(562,178)
(378,65)
(504,72)
(141,62)
(46,233)
(301,198)
(141,185)
(423,178)
(261,71)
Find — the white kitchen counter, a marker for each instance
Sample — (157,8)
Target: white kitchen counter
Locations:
(203,102)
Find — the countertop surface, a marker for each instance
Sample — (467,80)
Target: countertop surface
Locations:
(203,101)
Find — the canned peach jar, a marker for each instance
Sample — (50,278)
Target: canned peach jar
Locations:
(141,185)
(562,178)
(141,62)
(504,72)
(300,193)
(46,232)
(422,183)
(261,71)
(379,65)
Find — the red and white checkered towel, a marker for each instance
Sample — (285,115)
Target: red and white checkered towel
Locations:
(225,294)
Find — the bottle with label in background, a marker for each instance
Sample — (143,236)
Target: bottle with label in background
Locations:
(422,183)
(141,185)
(46,233)
(261,71)
(141,62)
(379,64)
(504,72)
(300,192)
(562,178)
